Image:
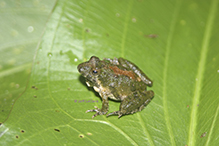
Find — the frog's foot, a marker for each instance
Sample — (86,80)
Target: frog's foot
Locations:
(97,110)
(116,113)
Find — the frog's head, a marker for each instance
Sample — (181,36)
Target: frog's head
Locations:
(90,69)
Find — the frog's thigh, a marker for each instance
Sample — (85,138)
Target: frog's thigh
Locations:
(131,66)
(150,95)
(136,103)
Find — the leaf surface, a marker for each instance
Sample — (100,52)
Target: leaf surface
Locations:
(22,24)
(173,42)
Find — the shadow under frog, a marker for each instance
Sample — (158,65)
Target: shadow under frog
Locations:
(117,79)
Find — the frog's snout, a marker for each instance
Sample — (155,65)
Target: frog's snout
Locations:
(80,68)
(83,69)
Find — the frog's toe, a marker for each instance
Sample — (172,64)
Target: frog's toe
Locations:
(115,113)
(98,112)
(93,110)
(120,116)
(94,115)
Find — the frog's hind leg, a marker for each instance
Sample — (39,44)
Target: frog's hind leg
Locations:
(134,103)
(128,64)
(147,101)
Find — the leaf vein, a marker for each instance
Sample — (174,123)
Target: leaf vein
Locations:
(169,41)
(200,72)
(113,126)
(145,131)
(212,126)
(126,28)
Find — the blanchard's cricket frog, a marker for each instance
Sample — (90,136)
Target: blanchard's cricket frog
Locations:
(117,79)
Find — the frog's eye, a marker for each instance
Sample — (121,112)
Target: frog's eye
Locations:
(95,71)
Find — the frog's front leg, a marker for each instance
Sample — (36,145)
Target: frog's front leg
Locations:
(103,110)
(134,103)
(129,65)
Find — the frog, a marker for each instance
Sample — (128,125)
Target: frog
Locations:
(117,79)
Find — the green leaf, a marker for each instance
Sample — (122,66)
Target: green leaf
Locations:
(173,42)
(22,23)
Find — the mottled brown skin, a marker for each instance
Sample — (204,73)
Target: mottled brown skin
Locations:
(117,79)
